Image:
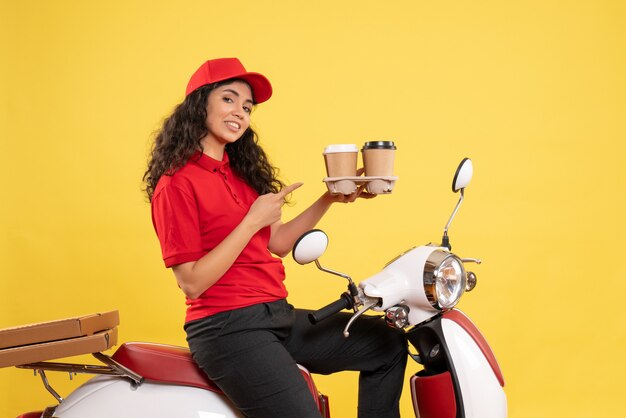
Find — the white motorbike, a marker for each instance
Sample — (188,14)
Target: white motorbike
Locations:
(416,292)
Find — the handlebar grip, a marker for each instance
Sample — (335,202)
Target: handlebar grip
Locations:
(344,302)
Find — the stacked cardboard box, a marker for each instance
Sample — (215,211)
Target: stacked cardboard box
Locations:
(58,339)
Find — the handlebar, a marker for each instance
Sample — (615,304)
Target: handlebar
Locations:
(344,302)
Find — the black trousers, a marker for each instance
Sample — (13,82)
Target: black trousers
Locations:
(251,354)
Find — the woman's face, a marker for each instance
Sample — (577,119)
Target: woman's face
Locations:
(228,113)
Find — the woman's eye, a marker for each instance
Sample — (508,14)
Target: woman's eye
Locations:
(228,100)
(247,109)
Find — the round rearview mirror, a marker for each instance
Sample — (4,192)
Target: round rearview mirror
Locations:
(463,175)
(310,246)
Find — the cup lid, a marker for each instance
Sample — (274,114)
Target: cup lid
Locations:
(379,145)
(335,148)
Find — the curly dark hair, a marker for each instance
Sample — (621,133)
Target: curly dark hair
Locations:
(179,139)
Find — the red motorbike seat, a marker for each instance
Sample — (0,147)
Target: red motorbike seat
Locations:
(174,365)
(163,363)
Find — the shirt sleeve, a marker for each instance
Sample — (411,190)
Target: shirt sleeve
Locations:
(176,222)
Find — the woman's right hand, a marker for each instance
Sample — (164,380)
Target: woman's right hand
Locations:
(195,277)
(266,209)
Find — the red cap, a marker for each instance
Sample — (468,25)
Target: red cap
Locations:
(222,69)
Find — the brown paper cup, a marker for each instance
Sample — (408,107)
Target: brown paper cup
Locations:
(378,160)
(341,161)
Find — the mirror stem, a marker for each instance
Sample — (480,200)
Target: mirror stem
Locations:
(351,286)
(336,273)
(445,242)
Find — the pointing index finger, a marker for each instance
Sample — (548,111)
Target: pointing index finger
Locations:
(284,192)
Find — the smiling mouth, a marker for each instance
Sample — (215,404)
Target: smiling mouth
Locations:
(233,125)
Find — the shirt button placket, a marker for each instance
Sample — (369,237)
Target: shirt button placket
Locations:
(230,188)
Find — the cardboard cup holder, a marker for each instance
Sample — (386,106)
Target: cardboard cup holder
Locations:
(348,185)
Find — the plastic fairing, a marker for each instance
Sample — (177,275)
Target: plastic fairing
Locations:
(106,397)
(402,282)
(483,395)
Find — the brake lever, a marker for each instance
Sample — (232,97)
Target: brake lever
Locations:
(366,307)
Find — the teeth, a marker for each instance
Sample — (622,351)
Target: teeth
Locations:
(233,124)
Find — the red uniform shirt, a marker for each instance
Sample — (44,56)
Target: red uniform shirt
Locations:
(192,212)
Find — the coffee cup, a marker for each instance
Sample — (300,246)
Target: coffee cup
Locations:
(341,161)
(378,159)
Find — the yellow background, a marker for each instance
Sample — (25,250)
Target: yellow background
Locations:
(532,91)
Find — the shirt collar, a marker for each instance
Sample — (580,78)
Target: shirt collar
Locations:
(209,163)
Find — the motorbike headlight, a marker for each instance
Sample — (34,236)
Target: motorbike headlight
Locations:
(444,279)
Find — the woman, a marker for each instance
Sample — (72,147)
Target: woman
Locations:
(216,208)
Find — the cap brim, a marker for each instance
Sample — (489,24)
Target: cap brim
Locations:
(260,85)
